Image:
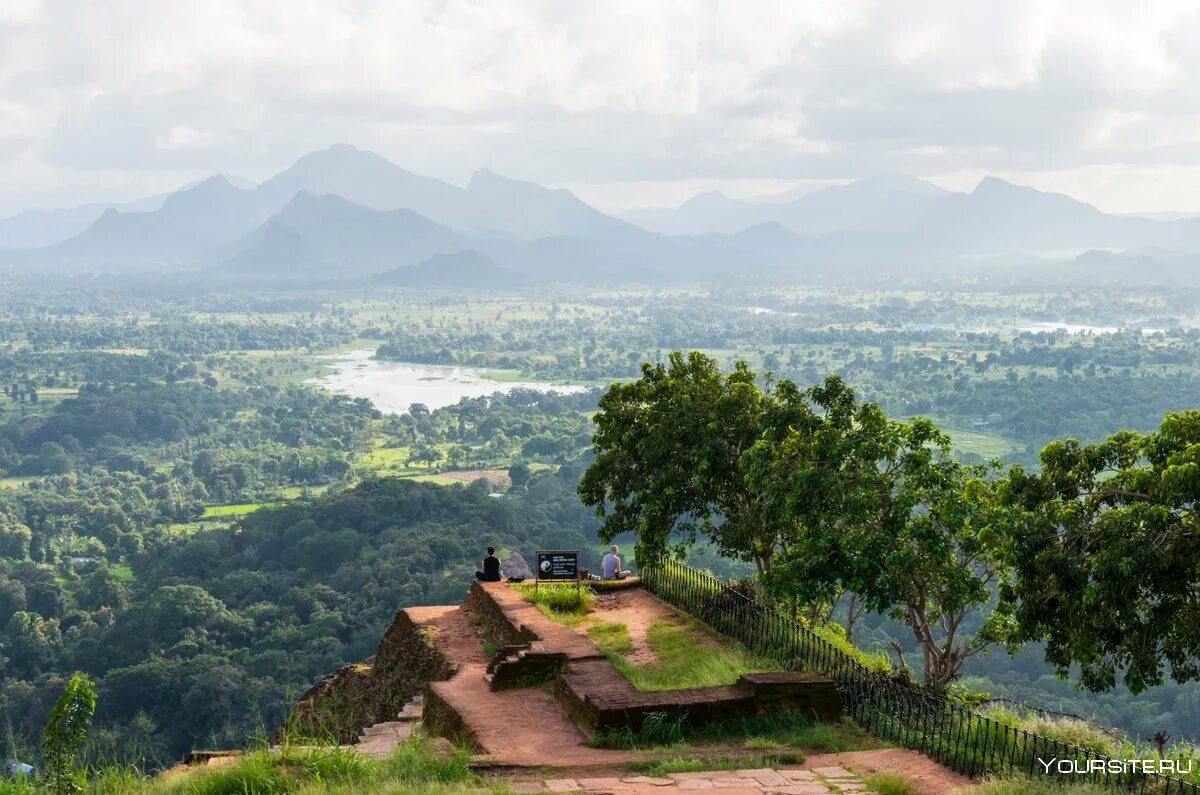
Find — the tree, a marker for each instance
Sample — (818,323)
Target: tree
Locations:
(65,736)
(1106,546)
(518,474)
(668,449)
(826,495)
(878,509)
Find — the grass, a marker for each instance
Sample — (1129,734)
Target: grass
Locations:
(665,767)
(892,784)
(1026,786)
(225,511)
(789,730)
(688,657)
(412,768)
(1068,730)
(611,637)
(781,731)
(986,445)
(566,604)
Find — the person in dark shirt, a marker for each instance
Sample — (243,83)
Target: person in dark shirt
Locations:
(491,568)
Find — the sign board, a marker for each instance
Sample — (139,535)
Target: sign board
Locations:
(560,565)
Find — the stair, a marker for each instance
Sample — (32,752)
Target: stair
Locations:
(378,741)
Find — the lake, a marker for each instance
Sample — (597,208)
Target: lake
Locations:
(394,386)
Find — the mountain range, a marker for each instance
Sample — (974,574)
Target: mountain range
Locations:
(346,213)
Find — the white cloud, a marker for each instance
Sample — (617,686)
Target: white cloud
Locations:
(101,99)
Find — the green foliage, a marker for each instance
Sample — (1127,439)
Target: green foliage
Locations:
(1078,733)
(1106,545)
(825,494)
(835,635)
(65,736)
(668,450)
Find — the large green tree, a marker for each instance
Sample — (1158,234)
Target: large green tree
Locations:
(825,494)
(883,516)
(668,459)
(1106,546)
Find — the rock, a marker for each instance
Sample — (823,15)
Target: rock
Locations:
(517,566)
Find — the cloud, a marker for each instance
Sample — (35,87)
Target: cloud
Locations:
(114,96)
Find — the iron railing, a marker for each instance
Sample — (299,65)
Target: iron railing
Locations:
(955,735)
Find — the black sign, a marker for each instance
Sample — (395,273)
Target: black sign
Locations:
(557,564)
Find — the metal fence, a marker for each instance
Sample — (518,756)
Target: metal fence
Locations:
(954,735)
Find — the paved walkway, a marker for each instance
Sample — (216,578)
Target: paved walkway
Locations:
(522,727)
(824,774)
(791,781)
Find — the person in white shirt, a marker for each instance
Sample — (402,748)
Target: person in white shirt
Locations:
(610,567)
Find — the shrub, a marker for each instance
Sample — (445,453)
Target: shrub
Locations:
(65,736)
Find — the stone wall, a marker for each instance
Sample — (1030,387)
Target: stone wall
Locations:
(374,691)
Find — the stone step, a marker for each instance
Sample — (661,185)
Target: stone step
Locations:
(413,710)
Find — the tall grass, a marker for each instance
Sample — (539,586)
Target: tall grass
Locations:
(412,768)
(892,784)
(566,604)
(1017,785)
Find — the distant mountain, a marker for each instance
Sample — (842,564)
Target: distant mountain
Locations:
(187,224)
(531,211)
(711,211)
(998,216)
(489,202)
(886,203)
(338,238)
(465,269)
(366,179)
(41,228)
(876,204)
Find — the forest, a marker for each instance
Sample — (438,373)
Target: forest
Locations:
(190,516)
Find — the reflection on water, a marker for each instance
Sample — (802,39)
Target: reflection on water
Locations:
(394,386)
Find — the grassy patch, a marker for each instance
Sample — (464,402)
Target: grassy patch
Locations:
(892,784)
(412,768)
(790,730)
(1025,786)
(665,767)
(611,637)
(225,511)
(122,573)
(1068,730)
(566,604)
(688,658)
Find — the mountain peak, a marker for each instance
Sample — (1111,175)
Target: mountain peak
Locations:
(991,184)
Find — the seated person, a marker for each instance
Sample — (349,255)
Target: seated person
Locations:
(610,567)
(491,568)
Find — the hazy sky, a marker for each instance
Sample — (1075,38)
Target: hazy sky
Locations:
(628,103)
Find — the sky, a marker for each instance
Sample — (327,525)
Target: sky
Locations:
(638,103)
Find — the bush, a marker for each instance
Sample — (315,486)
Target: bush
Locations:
(65,736)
